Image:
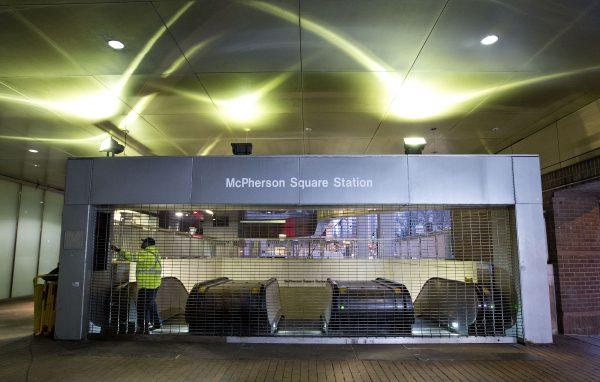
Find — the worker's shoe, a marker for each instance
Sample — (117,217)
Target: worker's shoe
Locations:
(155,326)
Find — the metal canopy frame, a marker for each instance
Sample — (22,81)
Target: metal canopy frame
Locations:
(394,179)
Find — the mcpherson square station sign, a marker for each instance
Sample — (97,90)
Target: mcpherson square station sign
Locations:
(293,182)
(302,180)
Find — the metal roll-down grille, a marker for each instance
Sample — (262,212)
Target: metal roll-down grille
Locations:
(223,307)
(380,305)
(343,271)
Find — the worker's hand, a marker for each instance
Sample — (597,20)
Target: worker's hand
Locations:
(114,248)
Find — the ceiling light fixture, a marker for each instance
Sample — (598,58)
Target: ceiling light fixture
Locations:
(241,148)
(210,212)
(111,147)
(179,214)
(116,44)
(33,151)
(489,39)
(414,145)
(414,141)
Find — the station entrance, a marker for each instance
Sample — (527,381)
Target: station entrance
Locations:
(393,271)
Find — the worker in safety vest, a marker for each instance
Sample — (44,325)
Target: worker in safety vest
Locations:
(147,273)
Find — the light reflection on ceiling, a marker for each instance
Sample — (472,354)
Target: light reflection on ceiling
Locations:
(408,100)
(178,94)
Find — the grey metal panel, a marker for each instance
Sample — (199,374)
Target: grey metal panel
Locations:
(533,256)
(142,180)
(386,175)
(75,271)
(527,179)
(78,183)
(448,179)
(210,175)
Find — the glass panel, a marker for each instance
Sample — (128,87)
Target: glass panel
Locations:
(8,227)
(50,243)
(28,241)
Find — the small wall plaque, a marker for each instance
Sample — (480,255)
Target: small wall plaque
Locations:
(73,240)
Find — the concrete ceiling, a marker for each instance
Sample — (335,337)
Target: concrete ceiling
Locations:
(292,77)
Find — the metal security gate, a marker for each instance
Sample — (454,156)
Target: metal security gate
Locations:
(309,271)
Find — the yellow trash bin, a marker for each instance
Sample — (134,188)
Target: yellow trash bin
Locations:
(44,304)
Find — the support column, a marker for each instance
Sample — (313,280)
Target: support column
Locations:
(532,250)
(76,254)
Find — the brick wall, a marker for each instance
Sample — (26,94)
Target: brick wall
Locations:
(574,231)
(578,172)
(573,227)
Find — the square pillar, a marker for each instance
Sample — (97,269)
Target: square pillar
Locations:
(76,253)
(532,251)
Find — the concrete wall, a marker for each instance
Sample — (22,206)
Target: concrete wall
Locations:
(412,273)
(569,140)
(30,223)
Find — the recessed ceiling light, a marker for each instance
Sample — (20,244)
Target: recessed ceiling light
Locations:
(33,151)
(36,165)
(115,44)
(489,40)
(495,129)
(179,214)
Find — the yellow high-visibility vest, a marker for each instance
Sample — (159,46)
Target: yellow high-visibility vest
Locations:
(148,267)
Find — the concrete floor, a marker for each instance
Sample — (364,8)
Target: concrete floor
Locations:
(41,359)
(16,320)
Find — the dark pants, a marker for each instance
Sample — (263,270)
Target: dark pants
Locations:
(147,313)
